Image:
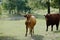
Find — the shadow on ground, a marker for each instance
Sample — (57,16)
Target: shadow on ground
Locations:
(7,38)
(57,31)
(37,37)
(16,18)
(13,18)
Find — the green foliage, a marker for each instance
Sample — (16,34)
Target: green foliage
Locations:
(8,5)
(39,4)
(28,5)
(0,11)
(55,3)
(19,5)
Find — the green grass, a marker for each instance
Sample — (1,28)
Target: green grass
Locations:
(15,30)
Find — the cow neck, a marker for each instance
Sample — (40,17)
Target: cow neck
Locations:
(28,18)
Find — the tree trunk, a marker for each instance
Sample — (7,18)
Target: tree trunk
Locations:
(48,6)
(9,11)
(0,11)
(18,12)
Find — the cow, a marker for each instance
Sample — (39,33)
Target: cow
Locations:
(52,19)
(30,23)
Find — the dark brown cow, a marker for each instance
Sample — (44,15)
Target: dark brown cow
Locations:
(52,19)
(30,23)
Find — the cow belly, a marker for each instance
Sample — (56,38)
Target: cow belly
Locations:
(52,22)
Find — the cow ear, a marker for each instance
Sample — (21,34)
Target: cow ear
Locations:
(24,15)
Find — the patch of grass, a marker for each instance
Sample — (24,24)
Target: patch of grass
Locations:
(16,29)
(57,31)
(37,37)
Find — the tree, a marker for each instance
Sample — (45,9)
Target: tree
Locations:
(48,6)
(19,5)
(0,7)
(8,5)
(0,10)
(56,4)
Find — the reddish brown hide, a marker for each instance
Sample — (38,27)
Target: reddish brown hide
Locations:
(52,19)
(30,23)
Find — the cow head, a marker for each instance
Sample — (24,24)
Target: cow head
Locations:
(27,15)
(47,16)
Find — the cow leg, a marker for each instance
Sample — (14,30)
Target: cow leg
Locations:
(26,31)
(31,31)
(47,28)
(57,26)
(51,27)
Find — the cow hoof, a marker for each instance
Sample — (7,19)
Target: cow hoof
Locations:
(25,35)
(57,29)
(51,30)
(46,30)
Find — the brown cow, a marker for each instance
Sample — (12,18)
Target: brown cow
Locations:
(52,19)
(30,23)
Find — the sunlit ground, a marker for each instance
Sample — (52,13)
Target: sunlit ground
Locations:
(15,30)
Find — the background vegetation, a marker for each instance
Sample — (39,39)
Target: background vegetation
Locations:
(12,22)
(26,6)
